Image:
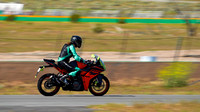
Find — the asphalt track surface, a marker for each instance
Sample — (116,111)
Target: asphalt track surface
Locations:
(78,103)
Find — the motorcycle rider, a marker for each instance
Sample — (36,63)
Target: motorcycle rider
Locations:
(68,51)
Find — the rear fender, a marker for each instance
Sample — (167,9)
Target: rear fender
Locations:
(41,68)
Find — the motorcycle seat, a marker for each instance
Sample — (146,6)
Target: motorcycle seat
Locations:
(49,60)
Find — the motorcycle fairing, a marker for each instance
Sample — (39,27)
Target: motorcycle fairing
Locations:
(91,74)
(81,65)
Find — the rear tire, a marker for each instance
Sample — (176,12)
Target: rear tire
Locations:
(99,91)
(44,84)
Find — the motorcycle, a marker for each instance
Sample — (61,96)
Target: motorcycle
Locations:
(90,78)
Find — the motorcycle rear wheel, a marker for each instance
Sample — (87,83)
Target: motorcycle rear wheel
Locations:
(99,90)
(46,87)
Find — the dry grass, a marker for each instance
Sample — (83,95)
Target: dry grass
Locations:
(117,87)
(158,107)
(50,36)
(145,86)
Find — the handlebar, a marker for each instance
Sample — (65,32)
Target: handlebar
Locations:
(89,62)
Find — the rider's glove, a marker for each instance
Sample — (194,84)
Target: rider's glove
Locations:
(82,60)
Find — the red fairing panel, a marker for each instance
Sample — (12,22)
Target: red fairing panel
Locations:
(81,65)
(91,74)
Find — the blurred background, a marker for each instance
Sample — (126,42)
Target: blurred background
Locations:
(109,28)
(122,32)
(103,8)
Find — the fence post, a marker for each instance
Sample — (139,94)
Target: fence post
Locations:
(178,48)
(124,43)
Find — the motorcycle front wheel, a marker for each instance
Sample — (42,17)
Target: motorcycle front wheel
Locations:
(46,86)
(99,90)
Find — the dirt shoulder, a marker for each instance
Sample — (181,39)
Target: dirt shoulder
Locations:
(116,71)
(125,78)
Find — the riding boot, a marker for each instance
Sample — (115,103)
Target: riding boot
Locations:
(64,79)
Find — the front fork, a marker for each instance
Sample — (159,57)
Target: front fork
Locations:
(99,79)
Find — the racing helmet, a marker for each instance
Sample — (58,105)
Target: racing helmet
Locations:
(76,40)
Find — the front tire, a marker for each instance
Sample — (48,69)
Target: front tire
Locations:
(99,90)
(46,87)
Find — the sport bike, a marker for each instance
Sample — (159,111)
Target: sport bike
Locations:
(90,77)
